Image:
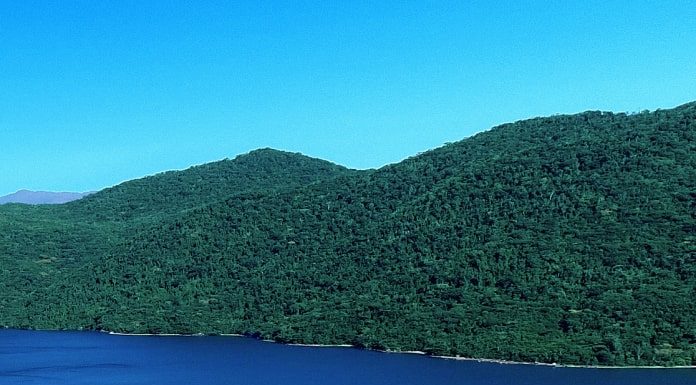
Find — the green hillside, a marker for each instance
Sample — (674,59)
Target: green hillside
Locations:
(170,192)
(566,239)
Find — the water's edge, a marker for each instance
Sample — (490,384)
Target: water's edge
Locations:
(416,352)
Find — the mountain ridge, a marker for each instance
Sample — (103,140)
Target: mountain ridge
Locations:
(31,197)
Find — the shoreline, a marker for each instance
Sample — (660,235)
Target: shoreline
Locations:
(344,346)
(557,365)
(417,352)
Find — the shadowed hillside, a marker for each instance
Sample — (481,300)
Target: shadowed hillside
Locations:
(565,239)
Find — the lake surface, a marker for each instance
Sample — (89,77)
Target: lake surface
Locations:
(48,358)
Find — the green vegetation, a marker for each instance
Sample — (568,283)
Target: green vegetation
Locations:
(567,239)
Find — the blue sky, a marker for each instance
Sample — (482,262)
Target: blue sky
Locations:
(96,92)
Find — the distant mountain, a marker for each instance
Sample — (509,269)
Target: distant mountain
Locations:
(41,197)
(567,239)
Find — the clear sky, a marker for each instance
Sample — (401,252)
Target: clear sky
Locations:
(96,92)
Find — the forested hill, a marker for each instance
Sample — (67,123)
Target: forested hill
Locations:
(566,239)
(260,170)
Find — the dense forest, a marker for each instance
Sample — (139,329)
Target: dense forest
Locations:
(568,239)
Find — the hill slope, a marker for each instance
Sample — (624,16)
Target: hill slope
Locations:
(563,239)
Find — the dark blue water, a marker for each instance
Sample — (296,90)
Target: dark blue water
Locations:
(75,358)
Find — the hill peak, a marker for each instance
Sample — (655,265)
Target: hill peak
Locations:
(260,170)
(268,153)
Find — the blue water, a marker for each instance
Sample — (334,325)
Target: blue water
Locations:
(48,358)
